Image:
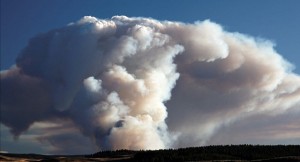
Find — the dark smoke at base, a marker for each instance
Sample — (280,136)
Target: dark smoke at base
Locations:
(139,83)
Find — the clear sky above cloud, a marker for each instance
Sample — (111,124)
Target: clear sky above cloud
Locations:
(225,76)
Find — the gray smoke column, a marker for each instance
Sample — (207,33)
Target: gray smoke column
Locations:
(114,79)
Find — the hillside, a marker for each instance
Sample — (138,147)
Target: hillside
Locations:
(207,153)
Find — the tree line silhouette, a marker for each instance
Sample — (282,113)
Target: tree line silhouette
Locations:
(224,152)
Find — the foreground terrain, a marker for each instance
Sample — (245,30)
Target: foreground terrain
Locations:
(207,153)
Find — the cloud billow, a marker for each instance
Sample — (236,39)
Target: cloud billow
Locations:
(140,83)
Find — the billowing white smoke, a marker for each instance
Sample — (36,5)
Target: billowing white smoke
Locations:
(114,79)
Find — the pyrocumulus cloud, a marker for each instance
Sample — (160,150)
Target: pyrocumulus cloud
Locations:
(140,83)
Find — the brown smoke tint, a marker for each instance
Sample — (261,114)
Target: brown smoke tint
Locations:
(139,83)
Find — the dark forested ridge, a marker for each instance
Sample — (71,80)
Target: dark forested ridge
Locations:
(227,152)
(207,153)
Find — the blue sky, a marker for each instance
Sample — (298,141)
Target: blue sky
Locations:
(277,20)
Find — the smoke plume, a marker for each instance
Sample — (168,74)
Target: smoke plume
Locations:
(140,83)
